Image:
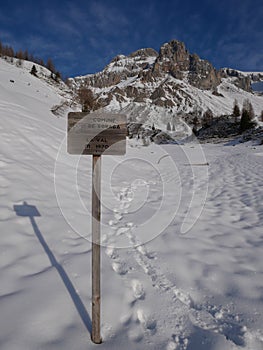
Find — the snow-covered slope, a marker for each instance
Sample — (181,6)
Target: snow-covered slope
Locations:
(181,235)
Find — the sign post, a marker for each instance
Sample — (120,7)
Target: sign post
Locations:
(96,213)
(96,134)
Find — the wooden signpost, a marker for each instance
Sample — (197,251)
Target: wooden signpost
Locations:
(96,134)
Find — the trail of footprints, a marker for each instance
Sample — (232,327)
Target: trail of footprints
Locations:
(205,317)
(143,323)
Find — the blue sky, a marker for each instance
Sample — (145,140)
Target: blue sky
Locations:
(83,36)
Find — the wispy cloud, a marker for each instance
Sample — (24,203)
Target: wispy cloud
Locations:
(239,55)
(107,17)
(40,44)
(61,25)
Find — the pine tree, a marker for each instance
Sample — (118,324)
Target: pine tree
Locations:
(245,122)
(34,70)
(261,116)
(26,55)
(8,51)
(168,127)
(207,118)
(247,105)
(247,116)
(57,76)
(86,99)
(41,62)
(195,121)
(19,54)
(50,66)
(236,111)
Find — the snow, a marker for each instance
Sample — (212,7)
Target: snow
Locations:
(123,61)
(181,237)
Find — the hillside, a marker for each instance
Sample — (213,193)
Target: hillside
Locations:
(181,236)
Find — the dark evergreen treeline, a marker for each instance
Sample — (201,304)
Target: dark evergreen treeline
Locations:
(8,51)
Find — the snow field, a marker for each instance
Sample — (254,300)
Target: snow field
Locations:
(181,237)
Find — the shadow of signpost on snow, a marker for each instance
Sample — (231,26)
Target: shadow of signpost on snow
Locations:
(31,212)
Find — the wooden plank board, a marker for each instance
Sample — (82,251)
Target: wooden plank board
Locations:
(96,133)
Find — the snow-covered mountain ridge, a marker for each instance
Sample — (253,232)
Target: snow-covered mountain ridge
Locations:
(152,87)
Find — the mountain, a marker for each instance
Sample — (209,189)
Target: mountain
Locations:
(169,86)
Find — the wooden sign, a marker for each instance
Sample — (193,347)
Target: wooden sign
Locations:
(96,133)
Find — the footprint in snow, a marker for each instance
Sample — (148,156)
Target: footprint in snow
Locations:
(118,216)
(119,267)
(135,334)
(146,321)
(142,324)
(111,252)
(122,230)
(138,290)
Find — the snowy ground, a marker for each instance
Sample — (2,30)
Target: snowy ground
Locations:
(181,233)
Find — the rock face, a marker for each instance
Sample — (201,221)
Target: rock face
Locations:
(241,80)
(174,59)
(202,74)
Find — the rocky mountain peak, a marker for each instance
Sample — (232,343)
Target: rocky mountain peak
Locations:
(172,79)
(175,59)
(174,51)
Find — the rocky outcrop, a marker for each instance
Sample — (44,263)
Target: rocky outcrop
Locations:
(202,74)
(174,59)
(241,80)
(243,83)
